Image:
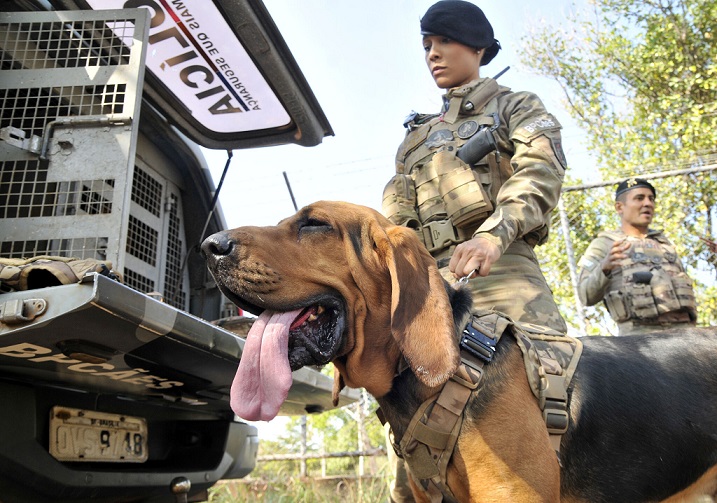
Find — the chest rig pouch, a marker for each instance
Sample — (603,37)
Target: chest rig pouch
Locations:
(463,196)
(451,197)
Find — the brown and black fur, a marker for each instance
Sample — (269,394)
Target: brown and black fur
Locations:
(643,409)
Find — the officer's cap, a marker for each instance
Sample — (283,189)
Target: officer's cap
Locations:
(633,183)
(463,22)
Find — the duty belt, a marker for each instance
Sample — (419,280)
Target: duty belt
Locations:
(665,319)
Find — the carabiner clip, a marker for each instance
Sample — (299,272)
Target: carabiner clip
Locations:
(466,278)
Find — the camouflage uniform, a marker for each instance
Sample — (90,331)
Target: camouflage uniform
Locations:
(505,197)
(649,290)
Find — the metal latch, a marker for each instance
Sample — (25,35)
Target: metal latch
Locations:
(18,138)
(19,310)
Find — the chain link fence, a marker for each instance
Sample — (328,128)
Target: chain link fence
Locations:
(686,210)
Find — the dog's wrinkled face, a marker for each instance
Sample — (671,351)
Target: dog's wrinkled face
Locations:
(275,268)
(337,282)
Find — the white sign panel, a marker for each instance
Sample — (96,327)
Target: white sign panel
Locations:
(194,52)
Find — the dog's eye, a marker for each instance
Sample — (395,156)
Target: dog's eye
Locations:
(313,225)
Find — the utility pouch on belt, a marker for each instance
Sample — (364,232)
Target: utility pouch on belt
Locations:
(399,203)
(464,197)
(616,305)
(429,203)
(643,303)
(663,292)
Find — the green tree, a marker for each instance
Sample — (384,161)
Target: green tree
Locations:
(640,77)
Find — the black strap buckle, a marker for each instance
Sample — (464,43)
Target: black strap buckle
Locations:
(477,343)
(556,417)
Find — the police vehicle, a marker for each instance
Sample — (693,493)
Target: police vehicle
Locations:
(117,351)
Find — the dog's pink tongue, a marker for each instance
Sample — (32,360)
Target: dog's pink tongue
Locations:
(263,378)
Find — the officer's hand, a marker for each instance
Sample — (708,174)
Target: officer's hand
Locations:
(615,256)
(475,254)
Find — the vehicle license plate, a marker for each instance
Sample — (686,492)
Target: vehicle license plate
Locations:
(86,435)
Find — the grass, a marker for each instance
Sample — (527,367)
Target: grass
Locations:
(345,489)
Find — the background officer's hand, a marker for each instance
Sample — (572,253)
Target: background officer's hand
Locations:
(477,253)
(615,256)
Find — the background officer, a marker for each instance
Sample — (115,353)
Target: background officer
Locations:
(635,270)
(481,209)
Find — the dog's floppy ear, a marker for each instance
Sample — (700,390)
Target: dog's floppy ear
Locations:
(421,315)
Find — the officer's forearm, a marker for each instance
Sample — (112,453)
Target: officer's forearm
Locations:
(592,281)
(592,286)
(523,204)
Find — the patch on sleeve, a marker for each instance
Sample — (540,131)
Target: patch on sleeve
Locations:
(535,127)
(586,263)
(557,144)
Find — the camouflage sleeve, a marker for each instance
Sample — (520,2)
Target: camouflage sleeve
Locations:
(525,200)
(592,282)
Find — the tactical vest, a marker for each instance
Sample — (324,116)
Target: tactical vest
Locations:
(650,282)
(434,191)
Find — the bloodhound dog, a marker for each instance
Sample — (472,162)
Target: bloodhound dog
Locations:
(339,283)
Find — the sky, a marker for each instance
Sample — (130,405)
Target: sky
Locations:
(364,62)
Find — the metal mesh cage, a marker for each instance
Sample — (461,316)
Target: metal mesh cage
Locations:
(69,186)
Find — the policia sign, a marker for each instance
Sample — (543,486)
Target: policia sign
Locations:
(193,52)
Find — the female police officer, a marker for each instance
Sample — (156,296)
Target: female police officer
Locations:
(478,180)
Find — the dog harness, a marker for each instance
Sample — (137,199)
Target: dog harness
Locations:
(550,360)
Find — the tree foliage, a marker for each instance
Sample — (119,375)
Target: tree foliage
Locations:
(640,77)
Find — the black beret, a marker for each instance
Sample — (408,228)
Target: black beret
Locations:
(633,183)
(463,22)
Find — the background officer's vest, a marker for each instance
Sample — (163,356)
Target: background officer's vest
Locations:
(650,282)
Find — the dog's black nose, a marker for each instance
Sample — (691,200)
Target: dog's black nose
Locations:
(217,245)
